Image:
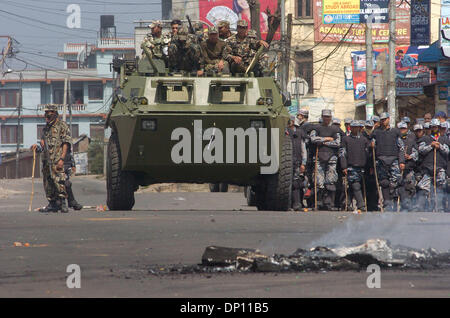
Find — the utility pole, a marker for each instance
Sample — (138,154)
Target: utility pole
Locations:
(65,100)
(19,117)
(391,95)
(369,71)
(283,45)
(69,102)
(287,60)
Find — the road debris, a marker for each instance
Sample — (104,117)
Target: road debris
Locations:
(356,257)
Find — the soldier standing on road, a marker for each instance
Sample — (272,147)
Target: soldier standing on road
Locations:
(407,189)
(55,144)
(214,51)
(242,49)
(157,42)
(354,154)
(299,165)
(328,139)
(429,145)
(184,54)
(390,159)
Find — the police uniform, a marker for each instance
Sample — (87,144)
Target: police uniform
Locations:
(54,136)
(326,161)
(389,154)
(184,54)
(371,184)
(339,201)
(407,188)
(427,166)
(299,159)
(354,154)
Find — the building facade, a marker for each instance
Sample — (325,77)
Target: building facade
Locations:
(90,81)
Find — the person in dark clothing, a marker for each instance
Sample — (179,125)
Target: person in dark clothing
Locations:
(407,188)
(298,164)
(371,185)
(434,150)
(328,140)
(390,159)
(339,201)
(69,169)
(354,154)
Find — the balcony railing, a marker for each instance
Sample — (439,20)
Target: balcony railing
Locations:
(75,107)
(115,43)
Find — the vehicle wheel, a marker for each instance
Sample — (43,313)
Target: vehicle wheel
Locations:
(214,187)
(278,187)
(120,184)
(250,195)
(223,187)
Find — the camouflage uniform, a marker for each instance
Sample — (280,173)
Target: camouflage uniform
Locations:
(244,48)
(184,54)
(55,135)
(158,46)
(213,53)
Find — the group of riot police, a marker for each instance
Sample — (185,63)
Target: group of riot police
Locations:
(370,166)
(196,50)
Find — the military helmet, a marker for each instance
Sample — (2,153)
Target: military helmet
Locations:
(182,34)
(354,123)
(418,127)
(213,30)
(348,121)
(435,122)
(242,23)
(223,23)
(50,108)
(384,116)
(155,24)
(336,121)
(402,125)
(326,112)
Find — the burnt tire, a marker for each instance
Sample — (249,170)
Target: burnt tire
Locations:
(214,187)
(223,187)
(276,192)
(120,184)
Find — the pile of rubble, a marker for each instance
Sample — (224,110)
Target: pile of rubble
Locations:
(217,259)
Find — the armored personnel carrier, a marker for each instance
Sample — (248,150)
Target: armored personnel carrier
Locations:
(177,127)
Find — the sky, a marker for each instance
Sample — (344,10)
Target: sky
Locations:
(40,26)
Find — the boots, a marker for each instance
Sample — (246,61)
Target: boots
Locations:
(51,207)
(61,206)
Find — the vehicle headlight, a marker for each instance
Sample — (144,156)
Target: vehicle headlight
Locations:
(148,124)
(257,124)
(260,101)
(144,101)
(269,101)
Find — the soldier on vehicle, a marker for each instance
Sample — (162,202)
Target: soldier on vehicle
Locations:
(184,55)
(55,144)
(224,29)
(175,25)
(214,51)
(157,42)
(328,140)
(242,49)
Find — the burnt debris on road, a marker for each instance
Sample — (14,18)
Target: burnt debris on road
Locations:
(357,257)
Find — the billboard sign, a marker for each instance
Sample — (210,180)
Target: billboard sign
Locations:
(420,22)
(212,12)
(355,32)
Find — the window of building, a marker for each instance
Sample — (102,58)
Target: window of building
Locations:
(97,132)
(304,8)
(96,91)
(304,68)
(58,96)
(8,97)
(8,134)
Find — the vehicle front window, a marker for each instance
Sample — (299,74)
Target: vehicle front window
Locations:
(227,93)
(174,94)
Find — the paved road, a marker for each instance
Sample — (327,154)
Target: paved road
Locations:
(115,249)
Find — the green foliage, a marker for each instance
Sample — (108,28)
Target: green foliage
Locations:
(95,157)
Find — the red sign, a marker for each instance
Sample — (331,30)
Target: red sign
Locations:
(212,12)
(356,33)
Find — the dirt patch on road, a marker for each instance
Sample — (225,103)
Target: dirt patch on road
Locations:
(7,189)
